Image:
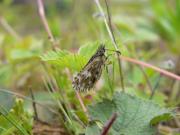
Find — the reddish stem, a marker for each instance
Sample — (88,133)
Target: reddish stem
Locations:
(81,103)
(44,21)
(141,63)
(109,123)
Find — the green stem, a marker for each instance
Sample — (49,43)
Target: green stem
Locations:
(111,34)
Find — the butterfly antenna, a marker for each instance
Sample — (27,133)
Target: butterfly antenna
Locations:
(113,51)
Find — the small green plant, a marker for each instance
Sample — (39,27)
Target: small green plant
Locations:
(131,109)
(16,121)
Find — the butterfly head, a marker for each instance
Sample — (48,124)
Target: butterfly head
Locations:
(100,50)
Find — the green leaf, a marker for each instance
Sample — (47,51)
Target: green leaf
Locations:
(64,59)
(135,115)
(5,75)
(158,98)
(92,129)
(54,55)
(164,117)
(18,54)
(75,62)
(88,49)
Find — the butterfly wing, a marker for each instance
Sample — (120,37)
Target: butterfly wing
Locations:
(87,78)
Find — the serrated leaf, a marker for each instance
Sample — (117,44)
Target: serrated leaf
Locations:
(75,62)
(54,55)
(65,59)
(135,114)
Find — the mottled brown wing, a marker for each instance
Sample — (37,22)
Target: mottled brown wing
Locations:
(87,78)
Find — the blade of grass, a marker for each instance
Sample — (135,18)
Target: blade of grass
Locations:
(34,104)
(8,28)
(57,101)
(155,87)
(27,98)
(12,120)
(109,81)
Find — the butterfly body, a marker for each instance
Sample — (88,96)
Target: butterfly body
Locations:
(91,73)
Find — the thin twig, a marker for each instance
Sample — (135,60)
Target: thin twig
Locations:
(111,34)
(109,81)
(45,23)
(144,73)
(34,104)
(82,104)
(115,45)
(146,78)
(8,28)
(59,103)
(109,123)
(155,87)
(110,25)
(143,64)
(27,98)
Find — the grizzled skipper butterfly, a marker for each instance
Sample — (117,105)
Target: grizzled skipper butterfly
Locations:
(91,73)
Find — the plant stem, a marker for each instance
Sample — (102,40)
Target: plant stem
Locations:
(109,81)
(59,103)
(155,87)
(45,23)
(82,103)
(143,64)
(34,104)
(146,78)
(109,123)
(111,34)
(8,28)
(27,98)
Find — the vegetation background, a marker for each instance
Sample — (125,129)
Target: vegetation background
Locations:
(40,53)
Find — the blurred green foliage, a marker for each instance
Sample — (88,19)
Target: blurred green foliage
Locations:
(16,121)
(147,30)
(166,18)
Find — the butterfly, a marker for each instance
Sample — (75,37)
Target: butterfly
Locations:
(91,72)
